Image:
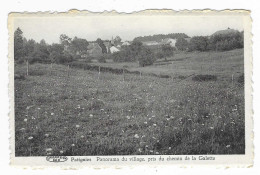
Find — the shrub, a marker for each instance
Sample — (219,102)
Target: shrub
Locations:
(241,79)
(146,57)
(102,59)
(204,78)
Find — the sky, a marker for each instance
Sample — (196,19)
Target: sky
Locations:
(126,26)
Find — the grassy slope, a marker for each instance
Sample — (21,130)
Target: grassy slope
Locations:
(84,115)
(230,62)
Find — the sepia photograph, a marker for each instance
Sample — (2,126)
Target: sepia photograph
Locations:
(149,83)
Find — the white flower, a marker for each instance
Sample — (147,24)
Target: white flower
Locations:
(128,117)
(136,136)
(52,113)
(30,138)
(48,149)
(170,147)
(211,127)
(73,144)
(145,123)
(228,146)
(22,129)
(46,135)
(61,151)
(90,115)
(154,124)
(77,126)
(82,136)
(25,120)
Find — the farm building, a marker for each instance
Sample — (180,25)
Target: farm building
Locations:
(94,49)
(114,49)
(150,43)
(170,41)
(126,43)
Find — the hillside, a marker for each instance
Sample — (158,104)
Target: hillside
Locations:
(225,32)
(160,37)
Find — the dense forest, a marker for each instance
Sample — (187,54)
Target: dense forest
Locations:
(160,37)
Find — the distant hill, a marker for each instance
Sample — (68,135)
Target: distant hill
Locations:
(225,32)
(160,37)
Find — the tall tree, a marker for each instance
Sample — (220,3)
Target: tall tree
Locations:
(18,44)
(182,44)
(102,45)
(167,50)
(117,40)
(79,46)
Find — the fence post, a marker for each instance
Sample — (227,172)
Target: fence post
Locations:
(27,67)
(68,70)
(98,71)
(123,74)
(232,79)
(51,68)
(140,74)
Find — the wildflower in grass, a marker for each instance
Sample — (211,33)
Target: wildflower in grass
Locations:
(77,126)
(52,113)
(128,117)
(25,120)
(46,135)
(153,116)
(136,136)
(48,151)
(145,123)
(233,123)
(22,129)
(90,115)
(149,118)
(61,151)
(170,148)
(101,109)
(228,146)
(39,108)
(211,127)
(82,136)
(72,144)
(30,138)
(157,153)
(154,124)
(146,146)
(154,138)
(151,151)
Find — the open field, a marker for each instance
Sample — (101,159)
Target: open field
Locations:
(83,113)
(219,63)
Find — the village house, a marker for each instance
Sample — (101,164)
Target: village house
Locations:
(94,49)
(169,41)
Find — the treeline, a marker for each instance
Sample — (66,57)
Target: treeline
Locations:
(160,37)
(218,42)
(65,51)
(143,54)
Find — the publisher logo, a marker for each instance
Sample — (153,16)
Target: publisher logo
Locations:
(56,158)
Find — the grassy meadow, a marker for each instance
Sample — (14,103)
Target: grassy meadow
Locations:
(81,112)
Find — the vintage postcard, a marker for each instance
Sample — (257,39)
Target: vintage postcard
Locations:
(155,87)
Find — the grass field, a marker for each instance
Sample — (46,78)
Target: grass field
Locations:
(230,62)
(84,113)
